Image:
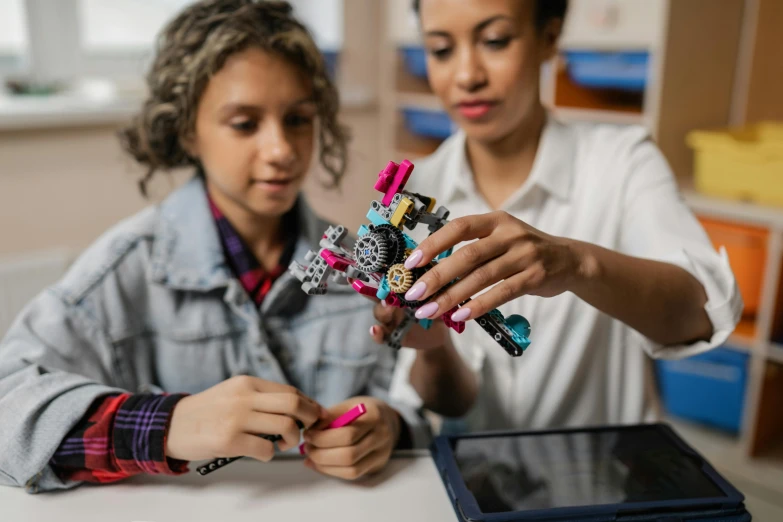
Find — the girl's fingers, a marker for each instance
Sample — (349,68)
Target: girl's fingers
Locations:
(294,405)
(372,463)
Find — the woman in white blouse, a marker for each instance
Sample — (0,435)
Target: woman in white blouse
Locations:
(578,227)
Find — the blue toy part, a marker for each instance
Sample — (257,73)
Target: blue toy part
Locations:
(383,289)
(447,253)
(363,231)
(376,218)
(425,323)
(409,242)
(518,326)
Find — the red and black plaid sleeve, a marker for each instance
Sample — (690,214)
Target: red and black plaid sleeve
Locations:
(121,435)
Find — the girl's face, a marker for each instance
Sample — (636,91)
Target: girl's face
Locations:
(254,133)
(484,59)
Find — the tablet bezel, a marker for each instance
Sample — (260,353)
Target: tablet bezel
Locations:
(466,503)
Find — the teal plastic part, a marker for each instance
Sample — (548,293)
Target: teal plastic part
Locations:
(376,218)
(383,289)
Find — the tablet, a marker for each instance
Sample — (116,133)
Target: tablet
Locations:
(643,472)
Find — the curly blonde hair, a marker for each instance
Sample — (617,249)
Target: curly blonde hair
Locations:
(195,46)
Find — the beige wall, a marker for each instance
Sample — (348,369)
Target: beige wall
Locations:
(62,188)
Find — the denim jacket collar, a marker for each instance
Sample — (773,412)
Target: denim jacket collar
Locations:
(187,253)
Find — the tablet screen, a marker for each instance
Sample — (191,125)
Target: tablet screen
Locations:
(525,472)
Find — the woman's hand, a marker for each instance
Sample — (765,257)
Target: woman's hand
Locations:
(225,420)
(390,317)
(524,260)
(361,448)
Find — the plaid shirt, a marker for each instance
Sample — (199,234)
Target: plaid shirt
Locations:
(125,434)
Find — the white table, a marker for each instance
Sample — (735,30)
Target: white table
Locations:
(283,490)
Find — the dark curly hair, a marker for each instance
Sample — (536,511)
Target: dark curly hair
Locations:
(545,10)
(193,47)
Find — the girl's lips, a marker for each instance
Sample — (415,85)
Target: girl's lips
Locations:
(273,185)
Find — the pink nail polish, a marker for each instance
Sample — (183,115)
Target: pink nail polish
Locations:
(416,292)
(384,303)
(460,315)
(372,331)
(413,259)
(428,310)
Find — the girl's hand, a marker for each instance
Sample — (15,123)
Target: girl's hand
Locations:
(225,420)
(356,450)
(526,260)
(389,318)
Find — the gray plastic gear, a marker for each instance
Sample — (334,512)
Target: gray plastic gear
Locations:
(370,253)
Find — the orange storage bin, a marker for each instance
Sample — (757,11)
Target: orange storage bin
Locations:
(747,251)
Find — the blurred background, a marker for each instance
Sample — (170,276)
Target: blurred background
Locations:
(704,76)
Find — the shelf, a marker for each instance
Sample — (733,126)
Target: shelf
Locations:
(597,115)
(749,213)
(569,94)
(412,145)
(776,352)
(421,101)
(407,82)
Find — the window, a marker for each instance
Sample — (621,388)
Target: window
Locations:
(123,25)
(13,35)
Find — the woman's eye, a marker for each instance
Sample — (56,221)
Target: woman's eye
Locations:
(497,43)
(441,53)
(245,126)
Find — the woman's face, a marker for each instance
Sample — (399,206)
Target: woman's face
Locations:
(254,133)
(484,60)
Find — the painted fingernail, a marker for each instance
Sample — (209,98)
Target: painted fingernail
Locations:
(416,291)
(427,310)
(413,259)
(384,303)
(373,329)
(460,315)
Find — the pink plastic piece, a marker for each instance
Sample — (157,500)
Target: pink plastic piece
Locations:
(364,289)
(343,420)
(397,183)
(458,327)
(393,300)
(386,177)
(336,261)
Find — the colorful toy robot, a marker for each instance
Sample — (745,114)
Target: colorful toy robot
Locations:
(374,267)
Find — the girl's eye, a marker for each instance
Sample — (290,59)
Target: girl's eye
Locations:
(497,43)
(298,120)
(245,126)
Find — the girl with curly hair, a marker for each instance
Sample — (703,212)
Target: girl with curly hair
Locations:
(178,335)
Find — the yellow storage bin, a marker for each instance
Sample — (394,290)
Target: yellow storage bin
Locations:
(744,163)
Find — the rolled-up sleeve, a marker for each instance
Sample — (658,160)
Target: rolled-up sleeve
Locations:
(659,225)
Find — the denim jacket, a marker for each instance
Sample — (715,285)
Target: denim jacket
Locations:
(151,306)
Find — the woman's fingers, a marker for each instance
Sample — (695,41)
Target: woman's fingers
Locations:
(465,261)
(476,281)
(454,233)
(508,290)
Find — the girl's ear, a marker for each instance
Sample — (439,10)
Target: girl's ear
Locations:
(550,35)
(190,146)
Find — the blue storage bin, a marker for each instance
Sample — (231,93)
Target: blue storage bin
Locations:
(428,123)
(331,59)
(707,388)
(608,70)
(415,59)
